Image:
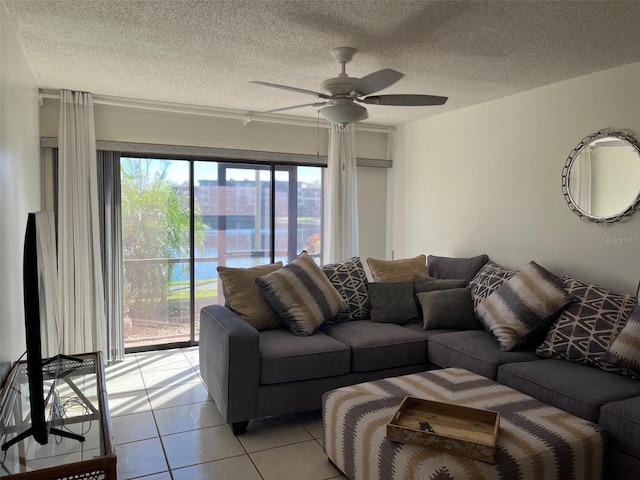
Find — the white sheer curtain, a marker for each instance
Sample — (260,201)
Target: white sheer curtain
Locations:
(341,196)
(81,305)
(580,180)
(50,327)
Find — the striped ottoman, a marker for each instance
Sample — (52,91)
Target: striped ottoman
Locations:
(536,441)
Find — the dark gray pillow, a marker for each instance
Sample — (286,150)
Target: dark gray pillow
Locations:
(393,303)
(450,267)
(426,283)
(452,308)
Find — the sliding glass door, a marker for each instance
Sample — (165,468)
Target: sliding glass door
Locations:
(183,218)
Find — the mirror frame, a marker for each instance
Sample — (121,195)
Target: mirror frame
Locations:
(622,216)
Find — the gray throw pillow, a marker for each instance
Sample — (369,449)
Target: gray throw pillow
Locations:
(393,303)
(426,283)
(452,308)
(451,267)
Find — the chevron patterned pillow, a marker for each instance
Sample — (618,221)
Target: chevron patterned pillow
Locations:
(523,306)
(302,295)
(625,349)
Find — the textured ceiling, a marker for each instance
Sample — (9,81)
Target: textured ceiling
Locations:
(205,52)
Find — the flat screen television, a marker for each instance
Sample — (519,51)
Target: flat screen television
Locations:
(39,278)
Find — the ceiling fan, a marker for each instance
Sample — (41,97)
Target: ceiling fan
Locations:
(344,94)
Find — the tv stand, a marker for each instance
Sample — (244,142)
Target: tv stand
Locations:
(83,440)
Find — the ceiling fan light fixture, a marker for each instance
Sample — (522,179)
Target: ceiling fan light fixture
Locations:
(344,113)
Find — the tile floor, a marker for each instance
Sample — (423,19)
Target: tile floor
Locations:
(166,427)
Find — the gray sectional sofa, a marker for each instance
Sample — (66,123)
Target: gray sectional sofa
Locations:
(253,374)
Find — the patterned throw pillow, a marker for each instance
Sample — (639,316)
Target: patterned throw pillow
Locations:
(350,279)
(243,296)
(397,271)
(625,349)
(587,327)
(487,280)
(522,306)
(302,295)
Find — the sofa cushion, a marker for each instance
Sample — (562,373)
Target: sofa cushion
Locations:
(625,349)
(452,267)
(242,295)
(578,389)
(393,303)
(621,420)
(288,358)
(350,279)
(452,308)
(474,350)
(585,330)
(487,280)
(394,271)
(425,283)
(523,306)
(375,346)
(302,295)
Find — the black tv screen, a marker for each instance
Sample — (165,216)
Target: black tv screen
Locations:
(33,283)
(40,299)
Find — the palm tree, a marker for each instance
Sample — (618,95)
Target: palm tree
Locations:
(155,231)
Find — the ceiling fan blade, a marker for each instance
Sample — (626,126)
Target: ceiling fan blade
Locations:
(316,104)
(292,89)
(375,81)
(405,100)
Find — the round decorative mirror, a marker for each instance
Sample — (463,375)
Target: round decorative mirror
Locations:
(601,177)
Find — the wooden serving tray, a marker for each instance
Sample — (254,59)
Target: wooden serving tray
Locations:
(466,431)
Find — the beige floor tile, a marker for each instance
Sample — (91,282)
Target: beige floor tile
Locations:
(126,367)
(236,468)
(140,458)
(312,421)
(188,417)
(169,377)
(200,446)
(131,382)
(128,402)
(304,460)
(165,361)
(177,395)
(273,432)
(157,476)
(192,354)
(133,428)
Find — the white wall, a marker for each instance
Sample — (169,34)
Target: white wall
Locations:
(19,183)
(124,124)
(487,179)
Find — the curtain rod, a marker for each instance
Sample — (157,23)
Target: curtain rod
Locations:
(245,116)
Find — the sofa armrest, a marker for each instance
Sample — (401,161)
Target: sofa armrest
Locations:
(230,362)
